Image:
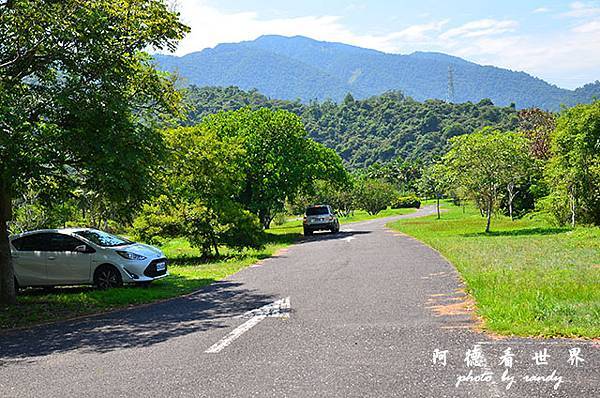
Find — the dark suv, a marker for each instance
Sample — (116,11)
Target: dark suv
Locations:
(320,218)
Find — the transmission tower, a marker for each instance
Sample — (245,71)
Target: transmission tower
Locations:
(450,83)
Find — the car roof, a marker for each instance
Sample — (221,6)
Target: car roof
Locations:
(66,231)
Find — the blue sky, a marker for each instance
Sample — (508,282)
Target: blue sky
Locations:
(558,41)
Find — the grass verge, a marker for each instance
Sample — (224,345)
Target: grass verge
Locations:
(529,278)
(188,272)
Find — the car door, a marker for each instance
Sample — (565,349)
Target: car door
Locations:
(64,265)
(29,259)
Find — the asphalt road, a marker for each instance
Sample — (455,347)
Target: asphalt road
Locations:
(368,307)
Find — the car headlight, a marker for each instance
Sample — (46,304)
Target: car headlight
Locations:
(130,255)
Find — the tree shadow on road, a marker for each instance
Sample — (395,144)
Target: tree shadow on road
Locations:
(324,236)
(137,327)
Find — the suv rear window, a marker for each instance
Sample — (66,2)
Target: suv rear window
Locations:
(317,211)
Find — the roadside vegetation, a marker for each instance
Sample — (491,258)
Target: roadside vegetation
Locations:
(529,277)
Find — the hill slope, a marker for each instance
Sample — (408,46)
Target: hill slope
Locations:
(306,69)
(376,129)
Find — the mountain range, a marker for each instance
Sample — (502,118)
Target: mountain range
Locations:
(302,68)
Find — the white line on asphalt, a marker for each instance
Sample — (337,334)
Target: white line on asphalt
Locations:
(277,309)
(237,332)
(349,239)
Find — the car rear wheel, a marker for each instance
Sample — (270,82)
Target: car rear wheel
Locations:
(106,277)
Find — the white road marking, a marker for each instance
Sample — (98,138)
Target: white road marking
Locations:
(277,309)
(349,239)
(237,332)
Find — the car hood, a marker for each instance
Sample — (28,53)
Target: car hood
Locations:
(144,250)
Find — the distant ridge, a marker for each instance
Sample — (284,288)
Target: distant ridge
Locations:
(302,68)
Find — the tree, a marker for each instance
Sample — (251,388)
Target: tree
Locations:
(403,174)
(374,195)
(203,174)
(339,196)
(376,129)
(434,182)
(573,171)
(79,101)
(279,160)
(537,125)
(486,163)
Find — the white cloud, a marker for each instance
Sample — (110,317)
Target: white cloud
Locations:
(541,10)
(580,9)
(480,28)
(211,26)
(417,33)
(588,27)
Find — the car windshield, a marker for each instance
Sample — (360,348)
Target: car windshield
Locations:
(317,211)
(102,238)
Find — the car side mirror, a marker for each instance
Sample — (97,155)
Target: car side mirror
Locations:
(83,249)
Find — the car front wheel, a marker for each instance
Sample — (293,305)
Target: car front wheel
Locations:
(107,277)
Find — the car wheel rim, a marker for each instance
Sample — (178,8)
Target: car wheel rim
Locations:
(107,279)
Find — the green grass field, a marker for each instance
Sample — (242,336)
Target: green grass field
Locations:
(529,278)
(187,273)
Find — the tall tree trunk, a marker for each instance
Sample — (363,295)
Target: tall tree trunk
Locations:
(265,218)
(489,216)
(438,206)
(7,278)
(573,208)
(510,189)
(216,246)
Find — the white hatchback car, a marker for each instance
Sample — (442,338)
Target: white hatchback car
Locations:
(81,256)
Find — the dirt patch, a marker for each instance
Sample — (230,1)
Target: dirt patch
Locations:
(457,309)
(451,306)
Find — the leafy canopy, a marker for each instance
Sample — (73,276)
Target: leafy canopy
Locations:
(573,171)
(80,100)
(483,164)
(279,160)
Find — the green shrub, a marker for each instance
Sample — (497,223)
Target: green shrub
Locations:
(203,226)
(374,195)
(406,202)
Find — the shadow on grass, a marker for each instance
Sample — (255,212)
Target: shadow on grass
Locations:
(520,232)
(199,260)
(136,327)
(287,238)
(280,227)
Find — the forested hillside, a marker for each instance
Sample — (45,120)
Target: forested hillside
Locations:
(302,68)
(377,129)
